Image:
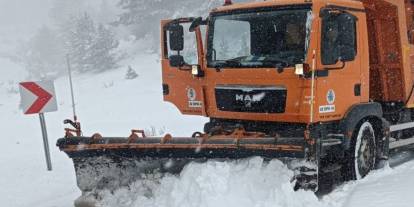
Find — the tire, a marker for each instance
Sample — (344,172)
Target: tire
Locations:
(362,156)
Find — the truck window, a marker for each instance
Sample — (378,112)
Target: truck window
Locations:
(232,39)
(338,38)
(259,39)
(190,46)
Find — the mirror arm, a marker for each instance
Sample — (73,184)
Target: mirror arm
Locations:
(196,23)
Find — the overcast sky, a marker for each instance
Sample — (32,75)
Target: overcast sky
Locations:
(19,19)
(23,12)
(22,16)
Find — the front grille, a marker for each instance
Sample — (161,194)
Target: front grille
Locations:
(253,99)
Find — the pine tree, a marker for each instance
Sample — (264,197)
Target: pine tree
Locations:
(91,48)
(80,40)
(103,52)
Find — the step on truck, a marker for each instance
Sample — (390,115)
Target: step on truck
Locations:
(325,85)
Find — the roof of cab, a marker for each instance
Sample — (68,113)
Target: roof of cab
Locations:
(249,5)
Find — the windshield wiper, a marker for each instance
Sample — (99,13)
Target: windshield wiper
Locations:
(233,63)
(279,63)
(229,63)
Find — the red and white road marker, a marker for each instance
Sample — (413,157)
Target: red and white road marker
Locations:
(39,98)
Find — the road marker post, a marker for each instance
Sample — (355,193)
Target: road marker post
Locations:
(45,141)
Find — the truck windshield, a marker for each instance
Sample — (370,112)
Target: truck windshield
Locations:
(258,39)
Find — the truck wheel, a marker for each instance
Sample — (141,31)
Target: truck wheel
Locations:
(362,155)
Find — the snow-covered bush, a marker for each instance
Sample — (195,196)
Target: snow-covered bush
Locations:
(131,73)
(109,84)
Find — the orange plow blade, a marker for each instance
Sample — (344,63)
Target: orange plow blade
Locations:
(111,163)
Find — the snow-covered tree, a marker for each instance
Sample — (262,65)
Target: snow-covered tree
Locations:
(42,55)
(79,43)
(104,53)
(91,48)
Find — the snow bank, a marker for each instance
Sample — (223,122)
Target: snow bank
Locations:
(255,183)
(388,187)
(245,183)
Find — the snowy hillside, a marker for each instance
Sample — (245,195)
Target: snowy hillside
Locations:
(111,105)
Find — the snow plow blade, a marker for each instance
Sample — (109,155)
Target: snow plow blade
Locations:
(183,147)
(111,163)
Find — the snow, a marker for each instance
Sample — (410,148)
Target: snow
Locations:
(111,105)
(253,182)
(245,183)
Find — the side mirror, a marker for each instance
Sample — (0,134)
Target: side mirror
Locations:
(176,61)
(176,37)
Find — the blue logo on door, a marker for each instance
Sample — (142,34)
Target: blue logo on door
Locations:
(330,96)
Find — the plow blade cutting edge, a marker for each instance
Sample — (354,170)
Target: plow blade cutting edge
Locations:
(111,163)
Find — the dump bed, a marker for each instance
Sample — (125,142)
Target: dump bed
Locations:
(391,38)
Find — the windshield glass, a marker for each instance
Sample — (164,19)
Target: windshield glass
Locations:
(277,38)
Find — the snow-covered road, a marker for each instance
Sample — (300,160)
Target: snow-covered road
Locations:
(111,105)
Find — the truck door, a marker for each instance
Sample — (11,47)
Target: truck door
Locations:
(341,56)
(182,62)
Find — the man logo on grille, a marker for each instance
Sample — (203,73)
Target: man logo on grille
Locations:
(249,99)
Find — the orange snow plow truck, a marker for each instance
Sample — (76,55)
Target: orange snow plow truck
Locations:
(325,85)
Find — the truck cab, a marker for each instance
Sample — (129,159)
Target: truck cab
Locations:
(273,61)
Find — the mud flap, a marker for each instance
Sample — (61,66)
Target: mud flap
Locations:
(383,145)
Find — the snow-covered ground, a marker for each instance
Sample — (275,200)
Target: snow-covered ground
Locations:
(111,105)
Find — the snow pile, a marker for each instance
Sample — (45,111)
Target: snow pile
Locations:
(256,183)
(388,187)
(246,183)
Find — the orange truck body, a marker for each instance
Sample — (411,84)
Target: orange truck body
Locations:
(381,71)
